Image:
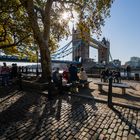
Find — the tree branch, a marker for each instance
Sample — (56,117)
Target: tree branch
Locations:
(13,44)
(29,6)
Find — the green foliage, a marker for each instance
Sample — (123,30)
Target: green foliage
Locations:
(16,30)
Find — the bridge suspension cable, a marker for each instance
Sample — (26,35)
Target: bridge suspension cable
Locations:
(61,51)
(63,48)
(66,52)
(110,56)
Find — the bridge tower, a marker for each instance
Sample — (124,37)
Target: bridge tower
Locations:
(104,51)
(80,46)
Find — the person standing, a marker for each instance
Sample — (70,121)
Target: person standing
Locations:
(73,73)
(5,71)
(14,71)
(128,70)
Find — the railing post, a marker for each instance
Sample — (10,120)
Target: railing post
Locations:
(20,80)
(110,92)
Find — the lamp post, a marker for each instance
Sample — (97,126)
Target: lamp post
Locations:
(110,92)
(37,72)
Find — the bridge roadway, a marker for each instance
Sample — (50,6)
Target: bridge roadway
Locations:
(30,116)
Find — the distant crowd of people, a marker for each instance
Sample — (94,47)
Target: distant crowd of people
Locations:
(9,73)
(115,74)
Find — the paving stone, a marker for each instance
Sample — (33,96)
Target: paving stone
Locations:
(125,133)
(112,125)
(118,138)
(115,129)
(101,137)
(83,133)
(132,131)
(124,138)
(95,136)
(110,131)
(71,137)
(119,120)
(119,133)
(113,135)
(126,127)
(91,132)
(131,137)
(104,131)
(137,137)
(121,127)
(138,123)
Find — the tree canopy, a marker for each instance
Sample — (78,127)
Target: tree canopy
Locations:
(28,25)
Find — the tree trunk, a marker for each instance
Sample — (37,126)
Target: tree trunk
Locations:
(42,38)
(45,62)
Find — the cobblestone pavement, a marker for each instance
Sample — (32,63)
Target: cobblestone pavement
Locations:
(30,116)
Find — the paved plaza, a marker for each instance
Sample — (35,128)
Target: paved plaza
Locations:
(30,116)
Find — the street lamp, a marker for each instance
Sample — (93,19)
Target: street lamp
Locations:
(37,72)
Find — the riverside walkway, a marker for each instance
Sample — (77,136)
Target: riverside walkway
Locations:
(81,116)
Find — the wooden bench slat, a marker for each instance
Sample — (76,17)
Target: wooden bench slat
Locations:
(119,85)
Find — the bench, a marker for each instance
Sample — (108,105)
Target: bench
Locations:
(85,84)
(123,86)
(73,86)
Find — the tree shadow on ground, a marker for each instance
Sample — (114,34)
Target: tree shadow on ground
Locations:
(30,113)
(7,96)
(86,91)
(5,91)
(17,111)
(126,121)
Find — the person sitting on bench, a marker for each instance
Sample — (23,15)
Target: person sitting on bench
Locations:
(82,76)
(103,76)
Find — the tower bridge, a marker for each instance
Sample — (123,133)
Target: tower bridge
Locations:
(79,49)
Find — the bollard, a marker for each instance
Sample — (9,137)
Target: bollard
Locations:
(50,88)
(37,72)
(110,92)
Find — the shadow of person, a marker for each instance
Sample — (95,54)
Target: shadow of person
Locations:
(78,108)
(85,91)
(58,109)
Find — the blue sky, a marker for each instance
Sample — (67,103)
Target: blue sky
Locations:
(123,29)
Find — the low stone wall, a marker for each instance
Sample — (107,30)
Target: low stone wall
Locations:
(34,86)
(93,75)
